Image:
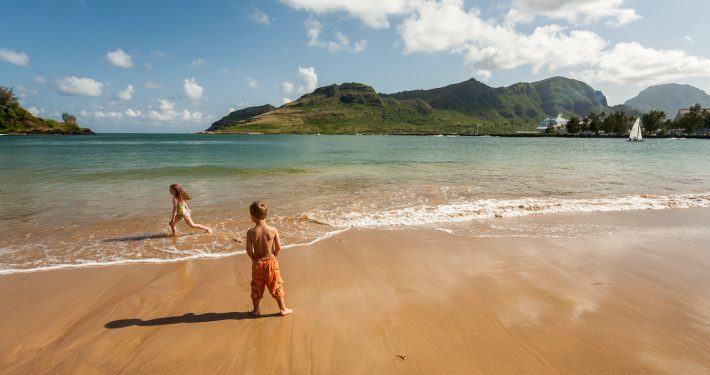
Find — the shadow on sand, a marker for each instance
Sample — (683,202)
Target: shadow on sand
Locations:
(186,318)
(141,237)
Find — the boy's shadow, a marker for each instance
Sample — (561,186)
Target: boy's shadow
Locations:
(186,318)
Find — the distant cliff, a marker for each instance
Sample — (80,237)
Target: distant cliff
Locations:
(16,120)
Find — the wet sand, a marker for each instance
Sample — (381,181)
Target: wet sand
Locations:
(405,301)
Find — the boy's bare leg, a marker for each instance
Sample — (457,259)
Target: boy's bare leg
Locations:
(172,226)
(282,306)
(256,311)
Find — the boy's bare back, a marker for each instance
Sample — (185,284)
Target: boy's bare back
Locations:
(263,241)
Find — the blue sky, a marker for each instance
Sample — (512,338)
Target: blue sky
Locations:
(177,66)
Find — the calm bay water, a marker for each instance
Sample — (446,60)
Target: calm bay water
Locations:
(104,198)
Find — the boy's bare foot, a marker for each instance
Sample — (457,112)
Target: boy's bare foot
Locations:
(208,230)
(285,312)
(256,313)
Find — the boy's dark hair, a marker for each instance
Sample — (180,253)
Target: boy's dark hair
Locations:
(259,210)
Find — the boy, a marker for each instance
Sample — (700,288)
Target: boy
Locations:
(263,246)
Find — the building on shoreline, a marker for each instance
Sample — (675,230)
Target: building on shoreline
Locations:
(558,124)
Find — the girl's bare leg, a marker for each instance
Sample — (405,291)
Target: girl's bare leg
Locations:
(192,224)
(172,226)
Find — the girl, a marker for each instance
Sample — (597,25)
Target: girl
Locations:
(180,209)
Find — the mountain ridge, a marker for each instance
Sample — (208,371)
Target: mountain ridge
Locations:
(462,108)
(669,98)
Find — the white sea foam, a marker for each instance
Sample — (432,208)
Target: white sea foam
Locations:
(422,215)
(436,216)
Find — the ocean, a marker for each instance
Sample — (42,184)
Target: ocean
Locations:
(76,201)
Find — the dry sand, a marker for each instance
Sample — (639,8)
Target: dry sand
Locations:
(406,301)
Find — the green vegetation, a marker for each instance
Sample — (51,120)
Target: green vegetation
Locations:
(16,120)
(469,107)
(352,108)
(654,123)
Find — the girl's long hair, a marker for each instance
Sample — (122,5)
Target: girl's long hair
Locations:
(179,193)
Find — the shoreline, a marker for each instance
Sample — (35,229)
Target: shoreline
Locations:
(388,301)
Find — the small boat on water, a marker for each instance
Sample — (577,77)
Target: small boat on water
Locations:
(635,134)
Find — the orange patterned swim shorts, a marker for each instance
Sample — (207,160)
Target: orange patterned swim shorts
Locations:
(265,273)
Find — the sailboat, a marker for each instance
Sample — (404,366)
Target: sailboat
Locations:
(635,134)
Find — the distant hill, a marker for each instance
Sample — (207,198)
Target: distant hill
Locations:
(521,101)
(462,108)
(16,120)
(243,114)
(669,98)
(351,108)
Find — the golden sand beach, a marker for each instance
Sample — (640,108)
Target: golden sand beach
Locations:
(387,302)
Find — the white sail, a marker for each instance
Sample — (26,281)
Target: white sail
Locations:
(635,134)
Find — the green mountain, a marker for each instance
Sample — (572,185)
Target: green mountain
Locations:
(16,120)
(521,101)
(352,108)
(463,108)
(240,115)
(669,98)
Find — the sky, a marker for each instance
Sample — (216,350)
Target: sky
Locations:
(177,66)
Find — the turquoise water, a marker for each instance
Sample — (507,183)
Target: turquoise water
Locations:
(104,198)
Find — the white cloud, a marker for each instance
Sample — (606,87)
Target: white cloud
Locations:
(240,104)
(359,46)
(13,57)
(252,83)
(162,116)
(287,87)
(40,80)
(126,94)
(35,111)
(374,13)
(688,38)
(148,65)
(23,92)
(191,116)
(488,46)
(166,105)
(310,79)
(132,113)
(633,63)
(101,114)
(196,63)
(166,112)
(80,86)
(286,100)
(313,30)
(192,89)
(150,85)
(340,42)
(158,54)
(573,11)
(120,59)
(260,17)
